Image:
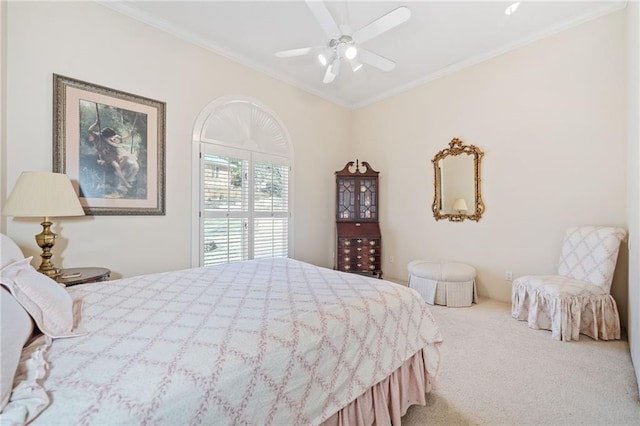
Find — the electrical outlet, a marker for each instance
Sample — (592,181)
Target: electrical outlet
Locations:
(508,275)
(392,259)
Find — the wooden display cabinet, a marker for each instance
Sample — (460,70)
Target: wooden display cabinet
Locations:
(359,242)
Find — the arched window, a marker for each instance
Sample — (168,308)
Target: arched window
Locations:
(244,190)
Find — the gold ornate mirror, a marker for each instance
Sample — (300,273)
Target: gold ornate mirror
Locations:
(457,183)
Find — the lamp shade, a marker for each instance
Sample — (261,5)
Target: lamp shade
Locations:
(43,194)
(460,205)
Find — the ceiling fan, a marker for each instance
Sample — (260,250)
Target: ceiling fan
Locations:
(344,44)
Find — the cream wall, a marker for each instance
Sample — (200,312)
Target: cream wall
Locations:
(89,42)
(551,120)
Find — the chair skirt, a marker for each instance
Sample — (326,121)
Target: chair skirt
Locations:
(566,315)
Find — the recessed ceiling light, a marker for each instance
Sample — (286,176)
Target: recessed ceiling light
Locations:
(512,8)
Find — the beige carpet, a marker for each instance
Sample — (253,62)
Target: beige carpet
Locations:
(497,371)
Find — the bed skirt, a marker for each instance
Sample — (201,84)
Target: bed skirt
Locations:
(387,401)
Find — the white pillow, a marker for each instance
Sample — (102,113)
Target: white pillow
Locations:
(9,251)
(16,326)
(48,303)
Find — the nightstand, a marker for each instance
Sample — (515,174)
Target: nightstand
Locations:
(74,276)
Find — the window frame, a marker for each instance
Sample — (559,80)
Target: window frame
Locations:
(255,153)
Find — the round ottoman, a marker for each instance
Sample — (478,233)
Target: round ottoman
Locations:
(442,282)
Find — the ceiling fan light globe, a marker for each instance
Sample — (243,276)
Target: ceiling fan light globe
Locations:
(351,52)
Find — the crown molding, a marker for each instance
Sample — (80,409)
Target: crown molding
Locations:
(189,37)
(459,66)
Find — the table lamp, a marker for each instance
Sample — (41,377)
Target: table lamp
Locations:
(43,194)
(460,205)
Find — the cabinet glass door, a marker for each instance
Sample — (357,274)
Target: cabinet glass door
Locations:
(368,200)
(346,199)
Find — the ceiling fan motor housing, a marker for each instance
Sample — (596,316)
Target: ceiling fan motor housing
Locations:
(341,46)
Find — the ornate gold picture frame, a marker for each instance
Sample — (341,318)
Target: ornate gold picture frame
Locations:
(457,194)
(111,144)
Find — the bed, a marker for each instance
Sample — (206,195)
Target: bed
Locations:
(270,341)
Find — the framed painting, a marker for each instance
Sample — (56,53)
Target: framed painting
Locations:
(111,145)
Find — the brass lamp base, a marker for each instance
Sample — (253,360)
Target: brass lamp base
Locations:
(46,239)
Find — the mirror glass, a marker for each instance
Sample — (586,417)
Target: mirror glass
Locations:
(457,183)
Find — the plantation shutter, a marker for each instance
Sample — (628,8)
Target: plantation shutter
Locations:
(245,202)
(226,215)
(270,208)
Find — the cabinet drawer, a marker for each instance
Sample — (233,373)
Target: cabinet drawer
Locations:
(359,253)
(365,267)
(344,242)
(365,257)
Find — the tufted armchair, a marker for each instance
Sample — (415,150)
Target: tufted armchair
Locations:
(577,299)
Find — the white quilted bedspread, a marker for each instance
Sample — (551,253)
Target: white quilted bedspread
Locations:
(273,341)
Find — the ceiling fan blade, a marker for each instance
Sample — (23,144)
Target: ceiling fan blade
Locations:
(324,18)
(368,57)
(294,52)
(329,76)
(382,24)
